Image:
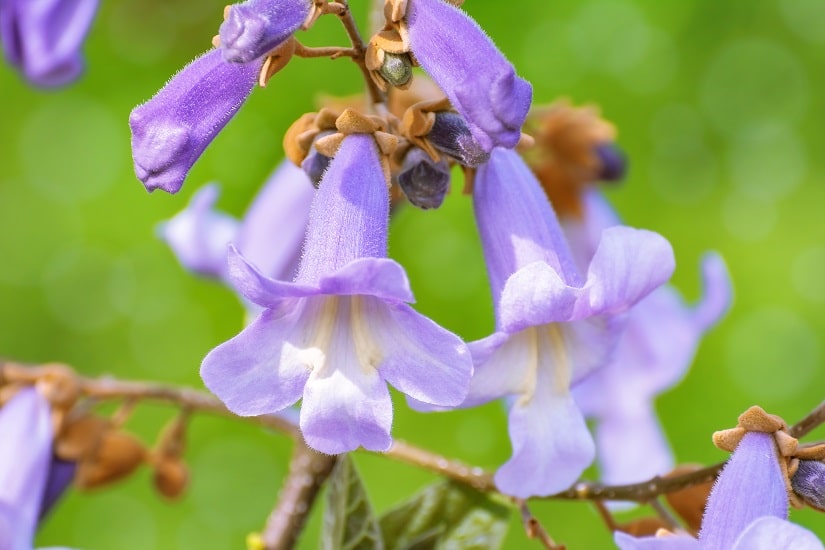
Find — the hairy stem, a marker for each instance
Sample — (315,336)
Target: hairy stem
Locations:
(360,47)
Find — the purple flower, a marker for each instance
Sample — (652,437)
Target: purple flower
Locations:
(255,27)
(42,38)
(747,509)
(655,350)
(171,130)
(338,334)
(269,235)
(480,83)
(553,324)
(26,433)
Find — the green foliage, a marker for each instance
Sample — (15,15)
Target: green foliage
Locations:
(446,516)
(348,520)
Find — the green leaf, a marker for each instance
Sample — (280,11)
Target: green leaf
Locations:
(349,523)
(446,516)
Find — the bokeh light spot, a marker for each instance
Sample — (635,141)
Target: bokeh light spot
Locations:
(806,18)
(746,219)
(808,274)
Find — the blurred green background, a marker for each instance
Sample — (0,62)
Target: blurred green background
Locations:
(717,105)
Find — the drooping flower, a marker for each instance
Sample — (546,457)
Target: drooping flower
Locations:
(478,80)
(338,334)
(255,27)
(553,324)
(26,435)
(42,38)
(269,235)
(747,509)
(171,130)
(653,354)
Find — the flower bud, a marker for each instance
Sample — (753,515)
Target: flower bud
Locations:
(424,182)
(396,69)
(118,456)
(171,477)
(613,163)
(315,163)
(451,135)
(254,28)
(809,483)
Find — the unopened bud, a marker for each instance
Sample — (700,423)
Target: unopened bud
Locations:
(689,503)
(80,437)
(643,527)
(451,135)
(171,477)
(396,69)
(315,163)
(118,456)
(424,182)
(612,162)
(809,483)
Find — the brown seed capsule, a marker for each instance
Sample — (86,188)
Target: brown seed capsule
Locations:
(118,455)
(80,437)
(171,477)
(643,527)
(689,503)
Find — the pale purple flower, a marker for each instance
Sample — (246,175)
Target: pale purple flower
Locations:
(747,509)
(42,38)
(255,27)
(26,436)
(338,334)
(654,352)
(554,325)
(478,80)
(171,130)
(269,235)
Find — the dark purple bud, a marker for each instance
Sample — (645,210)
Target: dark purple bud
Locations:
(612,161)
(61,474)
(254,28)
(809,483)
(43,38)
(171,130)
(315,164)
(396,69)
(451,135)
(424,182)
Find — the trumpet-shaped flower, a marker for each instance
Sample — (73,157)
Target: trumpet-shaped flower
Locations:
(171,130)
(747,509)
(553,324)
(478,80)
(338,334)
(26,433)
(43,38)
(269,235)
(255,27)
(655,350)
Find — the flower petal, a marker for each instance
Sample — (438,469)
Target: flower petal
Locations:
(480,83)
(422,360)
(500,366)
(666,542)
(346,405)
(754,468)
(198,235)
(717,292)
(259,371)
(628,264)
(255,27)
(771,533)
(379,277)
(171,130)
(258,288)
(535,295)
(551,444)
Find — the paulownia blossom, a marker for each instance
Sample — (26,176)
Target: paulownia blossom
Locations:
(553,324)
(478,80)
(654,352)
(269,235)
(341,331)
(171,130)
(25,463)
(747,509)
(255,27)
(42,38)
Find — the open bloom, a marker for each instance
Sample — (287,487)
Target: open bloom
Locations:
(255,27)
(43,38)
(171,130)
(553,324)
(26,433)
(478,80)
(338,334)
(654,352)
(269,235)
(747,509)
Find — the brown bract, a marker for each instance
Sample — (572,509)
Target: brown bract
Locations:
(564,158)
(417,122)
(789,452)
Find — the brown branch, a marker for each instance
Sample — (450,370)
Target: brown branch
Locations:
(308,470)
(475,477)
(812,420)
(533,528)
(333,52)
(360,47)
